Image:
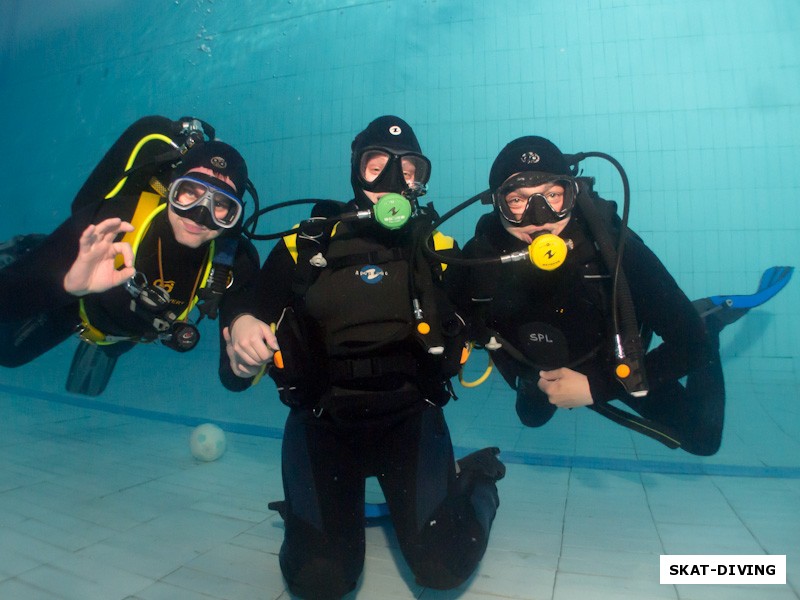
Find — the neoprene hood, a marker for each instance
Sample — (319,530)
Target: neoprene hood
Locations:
(527,154)
(219,157)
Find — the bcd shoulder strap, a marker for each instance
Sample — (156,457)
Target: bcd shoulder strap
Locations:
(311,241)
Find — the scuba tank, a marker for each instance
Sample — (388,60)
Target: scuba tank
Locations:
(147,150)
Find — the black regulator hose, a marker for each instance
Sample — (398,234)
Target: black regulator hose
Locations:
(628,346)
(466,262)
(391,211)
(251,223)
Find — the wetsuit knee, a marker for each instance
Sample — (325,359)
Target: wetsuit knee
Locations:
(318,579)
(316,565)
(452,542)
(533,407)
(704,448)
(443,562)
(22,341)
(704,441)
(11,358)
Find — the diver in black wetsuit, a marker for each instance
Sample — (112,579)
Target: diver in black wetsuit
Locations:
(554,326)
(69,282)
(367,346)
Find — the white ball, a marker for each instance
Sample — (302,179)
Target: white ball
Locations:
(207,442)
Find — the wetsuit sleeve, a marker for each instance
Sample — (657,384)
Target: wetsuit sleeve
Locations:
(236,301)
(35,283)
(263,294)
(274,284)
(663,308)
(239,297)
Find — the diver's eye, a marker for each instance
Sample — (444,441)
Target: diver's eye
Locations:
(222,203)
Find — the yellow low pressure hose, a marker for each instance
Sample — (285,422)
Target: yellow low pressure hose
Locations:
(132,158)
(479,380)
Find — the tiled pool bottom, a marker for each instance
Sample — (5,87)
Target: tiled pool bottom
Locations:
(96,504)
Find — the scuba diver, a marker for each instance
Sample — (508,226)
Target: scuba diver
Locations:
(574,331)
(131,264)
(368,341)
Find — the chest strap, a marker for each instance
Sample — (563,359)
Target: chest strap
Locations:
(375,257)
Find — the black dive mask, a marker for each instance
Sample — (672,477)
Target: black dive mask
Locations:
(550,206)
(379,169)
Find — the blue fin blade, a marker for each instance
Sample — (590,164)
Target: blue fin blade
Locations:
(375,511)
(773,280)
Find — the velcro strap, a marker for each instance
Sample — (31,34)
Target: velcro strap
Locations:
(360,368)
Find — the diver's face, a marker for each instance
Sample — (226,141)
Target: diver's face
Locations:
(188,232)
(517,202)
(373,167)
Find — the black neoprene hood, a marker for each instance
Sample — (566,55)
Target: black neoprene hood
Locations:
(219,157)
(527,154)
(389,132)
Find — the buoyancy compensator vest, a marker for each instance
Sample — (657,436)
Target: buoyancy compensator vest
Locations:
(369,318)
(541,319)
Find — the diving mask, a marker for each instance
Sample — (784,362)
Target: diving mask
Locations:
(552,204)
(204,202)
(381,170)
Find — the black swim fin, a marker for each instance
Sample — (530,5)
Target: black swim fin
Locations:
(728,309)
(483,462)
(90,370)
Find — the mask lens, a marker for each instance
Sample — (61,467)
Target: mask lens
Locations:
(226,209)
(416,169)
(186,193)
(512,204)
(373,162)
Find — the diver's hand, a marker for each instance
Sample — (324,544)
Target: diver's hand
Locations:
(250,344)
(93,270)
(565,388)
